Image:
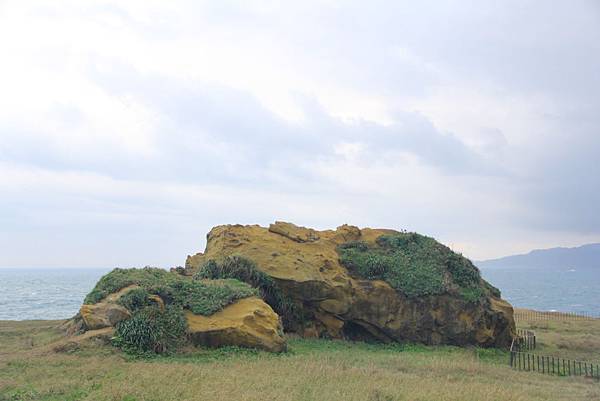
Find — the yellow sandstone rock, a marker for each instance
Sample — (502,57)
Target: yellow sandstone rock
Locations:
(106,313)
(305,265)
(249,322)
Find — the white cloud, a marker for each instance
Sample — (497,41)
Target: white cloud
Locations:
(155,120)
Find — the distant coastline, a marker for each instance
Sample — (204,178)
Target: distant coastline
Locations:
(585,256)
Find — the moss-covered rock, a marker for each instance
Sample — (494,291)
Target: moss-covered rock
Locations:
(152,310)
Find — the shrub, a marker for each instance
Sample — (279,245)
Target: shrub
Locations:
(151,330)
(243,269)
(472,294)
(413,264)
(135,299)
(236,267)
(206,298)
(493,290)
(407,266)
(463,272)
(359,245)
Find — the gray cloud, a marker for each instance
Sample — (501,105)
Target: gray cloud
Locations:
(158,146)
(211,134)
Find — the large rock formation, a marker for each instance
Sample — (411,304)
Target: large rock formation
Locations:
(337,302)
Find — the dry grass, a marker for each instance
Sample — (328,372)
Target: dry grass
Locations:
(316,370)
(567,338)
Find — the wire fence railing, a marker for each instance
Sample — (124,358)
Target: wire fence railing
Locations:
(527,314)
(522,359)
(553,365)
(525,340)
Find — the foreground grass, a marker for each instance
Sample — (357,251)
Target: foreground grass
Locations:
(313,370)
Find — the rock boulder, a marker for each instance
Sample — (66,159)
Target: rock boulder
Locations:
(249,322)
(338,303)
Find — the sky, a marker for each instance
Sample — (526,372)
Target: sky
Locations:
(129,128)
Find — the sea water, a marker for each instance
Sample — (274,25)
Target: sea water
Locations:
(58,293)
(562,289)
(44,293)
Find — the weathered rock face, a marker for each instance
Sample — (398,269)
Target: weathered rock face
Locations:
(249,322)
(106,313)
(306,267)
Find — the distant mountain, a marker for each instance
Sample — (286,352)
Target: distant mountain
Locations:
(581,256)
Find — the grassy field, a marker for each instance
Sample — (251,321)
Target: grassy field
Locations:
(319,370)
(566,338)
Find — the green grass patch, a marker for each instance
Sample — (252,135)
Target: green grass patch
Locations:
(148,277)
(202,297)
(298,347)
(415,265)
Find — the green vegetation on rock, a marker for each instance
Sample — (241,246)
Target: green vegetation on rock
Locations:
(202,297)
(151,330)
(121,278)
(154,327)
(414,265)
(243,269)
(135,299)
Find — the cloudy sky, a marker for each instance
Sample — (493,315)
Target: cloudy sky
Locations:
(129,128)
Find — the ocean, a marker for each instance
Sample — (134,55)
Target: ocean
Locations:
(46,294)
(555,289)
(57,293)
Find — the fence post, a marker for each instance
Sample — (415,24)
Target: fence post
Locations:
(543,365)
(521,361)
(559,372)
